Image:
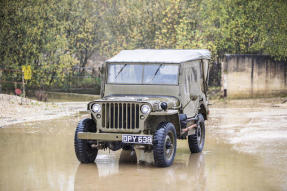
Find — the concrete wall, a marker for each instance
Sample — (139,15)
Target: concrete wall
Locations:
(253,75)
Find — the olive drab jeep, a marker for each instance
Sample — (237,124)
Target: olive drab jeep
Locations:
(149,99)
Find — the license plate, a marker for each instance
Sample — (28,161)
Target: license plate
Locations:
(137,139)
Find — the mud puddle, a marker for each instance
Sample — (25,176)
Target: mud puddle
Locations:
(40,156)
(256,127)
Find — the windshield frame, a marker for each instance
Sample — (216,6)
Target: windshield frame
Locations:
(149,84)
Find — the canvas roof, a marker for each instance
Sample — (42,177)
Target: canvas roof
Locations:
(160,55)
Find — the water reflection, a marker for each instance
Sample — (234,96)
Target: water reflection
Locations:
(40,156)
(110,173)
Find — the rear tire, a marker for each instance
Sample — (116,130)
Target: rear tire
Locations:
(164,148)
(196,141)
(84,152)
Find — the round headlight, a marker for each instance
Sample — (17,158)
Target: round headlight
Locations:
(145,109)
(96,108)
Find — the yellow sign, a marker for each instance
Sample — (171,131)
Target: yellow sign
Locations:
(27,72)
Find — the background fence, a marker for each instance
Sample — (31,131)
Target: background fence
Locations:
(80,80)
(85,80)
(11,79)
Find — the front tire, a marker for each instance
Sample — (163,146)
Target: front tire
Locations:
(84,152)
(196,141)
(164,148)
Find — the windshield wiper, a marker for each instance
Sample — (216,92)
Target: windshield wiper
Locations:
(122,68)
(157,70)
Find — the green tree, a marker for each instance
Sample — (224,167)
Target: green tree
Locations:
(235,26)
(53,36)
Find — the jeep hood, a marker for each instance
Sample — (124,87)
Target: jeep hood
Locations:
(172,102)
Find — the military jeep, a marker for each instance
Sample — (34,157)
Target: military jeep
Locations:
(149,99)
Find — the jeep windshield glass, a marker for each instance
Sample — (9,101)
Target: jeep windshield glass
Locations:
(143,74)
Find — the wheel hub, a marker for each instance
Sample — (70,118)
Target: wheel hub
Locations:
(169,146)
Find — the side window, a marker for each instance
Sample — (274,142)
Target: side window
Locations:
(202,76)
(186,84)
(194,74)
(200,70)
(189,80)
(186,81)
(193,77)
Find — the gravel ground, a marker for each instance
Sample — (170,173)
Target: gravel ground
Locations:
(15,109)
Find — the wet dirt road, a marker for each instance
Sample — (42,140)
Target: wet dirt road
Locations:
(246,149)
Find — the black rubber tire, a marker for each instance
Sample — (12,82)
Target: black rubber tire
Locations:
(161,158)
(84,152)
(196,146)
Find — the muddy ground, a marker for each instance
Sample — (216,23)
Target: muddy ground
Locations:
(246,149)
(15,109)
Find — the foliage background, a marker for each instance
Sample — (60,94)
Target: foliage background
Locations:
(53,36)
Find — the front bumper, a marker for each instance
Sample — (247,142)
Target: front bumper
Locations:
(102,136)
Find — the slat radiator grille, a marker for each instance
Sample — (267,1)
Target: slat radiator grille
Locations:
(120,115)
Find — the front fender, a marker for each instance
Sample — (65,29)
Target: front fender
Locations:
(155,118)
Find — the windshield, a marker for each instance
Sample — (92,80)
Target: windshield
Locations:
(143,74)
